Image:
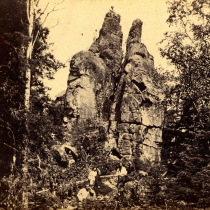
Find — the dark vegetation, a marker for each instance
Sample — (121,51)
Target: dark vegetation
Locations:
(186,141)
(32,177)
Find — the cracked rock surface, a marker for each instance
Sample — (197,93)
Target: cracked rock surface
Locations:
(123,97)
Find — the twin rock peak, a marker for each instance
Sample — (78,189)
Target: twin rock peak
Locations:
(117,93)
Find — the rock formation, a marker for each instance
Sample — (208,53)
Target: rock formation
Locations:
(93,73)
(122,97)
(137,114)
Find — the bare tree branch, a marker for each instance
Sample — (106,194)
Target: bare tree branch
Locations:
(34,41)
(52,10)
(42,13)
(37,3)
(10,147)
(54,25)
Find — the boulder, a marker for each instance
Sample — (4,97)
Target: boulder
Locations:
(64,154)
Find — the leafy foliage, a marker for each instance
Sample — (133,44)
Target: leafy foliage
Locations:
(186,135)
(12,41)
(18,140)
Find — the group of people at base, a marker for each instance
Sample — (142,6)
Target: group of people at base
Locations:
(96,187)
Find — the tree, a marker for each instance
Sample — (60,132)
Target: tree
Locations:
(25,61)
(188,49)
(12,76)
(36,18)
(41,116)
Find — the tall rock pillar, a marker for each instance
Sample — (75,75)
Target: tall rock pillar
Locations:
(122,97)
(137,113)
(94,73)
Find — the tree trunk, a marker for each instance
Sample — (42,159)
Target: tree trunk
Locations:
(31,15)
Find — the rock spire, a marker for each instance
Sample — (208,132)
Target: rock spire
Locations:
(122,97)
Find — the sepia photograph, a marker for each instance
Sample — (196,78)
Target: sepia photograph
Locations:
(104,104)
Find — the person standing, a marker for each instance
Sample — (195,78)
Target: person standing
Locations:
(92,177)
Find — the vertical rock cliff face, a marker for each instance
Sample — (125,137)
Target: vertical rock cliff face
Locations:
(123,97)
(109,48)
(137,114)
(93,74)
(85,85)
